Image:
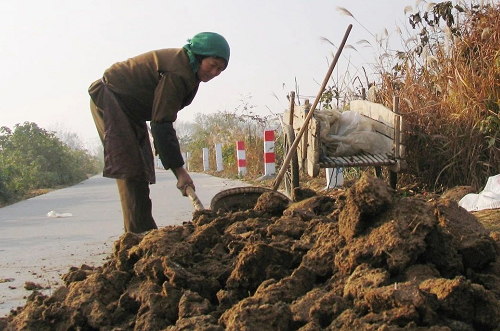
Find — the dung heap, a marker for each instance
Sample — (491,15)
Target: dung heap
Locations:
(362,260)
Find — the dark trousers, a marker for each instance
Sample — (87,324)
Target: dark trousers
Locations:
(134,194)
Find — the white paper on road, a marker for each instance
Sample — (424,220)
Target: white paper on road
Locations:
(58,215)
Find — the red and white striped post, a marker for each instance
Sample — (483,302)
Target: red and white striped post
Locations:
(240,155)
(269,155)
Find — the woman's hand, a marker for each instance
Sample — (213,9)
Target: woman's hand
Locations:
(183,180)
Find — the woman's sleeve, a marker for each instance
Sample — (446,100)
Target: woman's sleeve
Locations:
(167,145)
(169,94)
(168,98)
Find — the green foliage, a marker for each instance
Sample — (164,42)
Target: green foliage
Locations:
(330,94)
(490,127)
(4,193)
(32,158)
(229,156)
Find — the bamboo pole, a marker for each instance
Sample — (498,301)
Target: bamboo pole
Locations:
(296,142)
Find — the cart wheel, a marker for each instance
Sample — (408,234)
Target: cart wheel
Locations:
(291,178)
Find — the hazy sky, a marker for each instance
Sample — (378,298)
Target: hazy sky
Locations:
(52,50)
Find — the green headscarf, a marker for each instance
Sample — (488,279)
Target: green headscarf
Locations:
(206,44)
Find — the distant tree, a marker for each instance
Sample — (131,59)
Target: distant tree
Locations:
(71,139)
(32,158)
(4,192)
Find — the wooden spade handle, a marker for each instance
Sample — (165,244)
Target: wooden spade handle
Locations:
(194,198)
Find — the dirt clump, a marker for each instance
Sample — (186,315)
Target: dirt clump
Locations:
(362,260)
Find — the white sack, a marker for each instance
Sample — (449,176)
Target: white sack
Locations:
(351,134)
(489,198)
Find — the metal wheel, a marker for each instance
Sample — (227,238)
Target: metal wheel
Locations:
(291,178)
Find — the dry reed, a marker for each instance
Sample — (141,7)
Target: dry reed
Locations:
(451,100)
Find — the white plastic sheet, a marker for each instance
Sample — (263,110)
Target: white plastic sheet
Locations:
(348,133)
(54,214)
(489,198)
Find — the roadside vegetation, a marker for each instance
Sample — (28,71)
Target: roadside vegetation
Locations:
(34,160)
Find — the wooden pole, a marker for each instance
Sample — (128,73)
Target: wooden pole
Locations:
(397,124)
(194,198)
(292,108)
(296,142)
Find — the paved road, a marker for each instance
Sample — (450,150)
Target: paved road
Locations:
(39,249)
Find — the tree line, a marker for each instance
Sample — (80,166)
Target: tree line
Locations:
(32,158)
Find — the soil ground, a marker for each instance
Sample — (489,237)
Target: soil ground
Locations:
(358,258)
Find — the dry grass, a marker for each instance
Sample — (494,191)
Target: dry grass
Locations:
(451,103)
(28,195)
(490,219)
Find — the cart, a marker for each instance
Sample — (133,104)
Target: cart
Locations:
(309,156)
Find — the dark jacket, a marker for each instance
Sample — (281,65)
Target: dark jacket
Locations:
(150,87)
